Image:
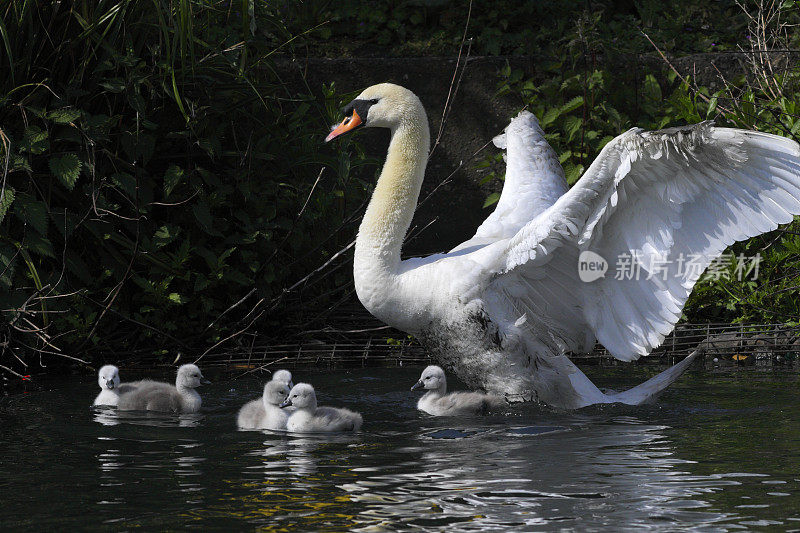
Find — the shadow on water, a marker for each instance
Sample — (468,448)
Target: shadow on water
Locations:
(717,452)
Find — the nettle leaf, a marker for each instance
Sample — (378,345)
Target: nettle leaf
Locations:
(572,125)
(32,212)
(64,221)
(491,199)
(165,235)
(572,105)
(125,183)
(20,162)
(203,215)
(64,116)
(34,140)
(176,298)
(66,168)
(550,116)
(8,255)
(172,177)
(6,199)
(114,85)
(39,245)
(651,89)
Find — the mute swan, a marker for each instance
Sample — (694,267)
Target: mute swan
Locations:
(308,418)
(157,396)
(437,403)
(265,412)
(253,414)
(108,379)
(504,308)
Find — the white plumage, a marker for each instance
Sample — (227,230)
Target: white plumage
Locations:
(437,402)
(308,418)
(504,308)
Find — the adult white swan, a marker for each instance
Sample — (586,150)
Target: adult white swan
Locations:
(503,308)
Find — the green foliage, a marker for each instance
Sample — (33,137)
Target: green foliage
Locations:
(510,27)
(157,164)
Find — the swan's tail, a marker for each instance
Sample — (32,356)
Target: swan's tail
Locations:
(650,389)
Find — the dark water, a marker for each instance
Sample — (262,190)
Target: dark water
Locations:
(718,452)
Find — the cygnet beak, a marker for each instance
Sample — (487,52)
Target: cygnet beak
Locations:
(110,384)
(417,385)
(285,403)
(204,381)
(291,385)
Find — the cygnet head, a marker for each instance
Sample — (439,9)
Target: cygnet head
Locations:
(432,378)
(190,377)
(283,376)
(108,377)
(275,392)
(385,105)
(301,396)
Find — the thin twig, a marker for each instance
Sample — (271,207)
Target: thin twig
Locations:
(452,82)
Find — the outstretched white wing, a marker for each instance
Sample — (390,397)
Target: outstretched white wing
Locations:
(673,199)
(534,181)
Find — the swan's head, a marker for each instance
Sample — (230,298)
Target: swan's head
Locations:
(190,377)
(432,378)
(108,377)
(301,396)
(385,105)
(275,392)
(285,377)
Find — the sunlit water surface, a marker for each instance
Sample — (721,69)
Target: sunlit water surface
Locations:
(718,452)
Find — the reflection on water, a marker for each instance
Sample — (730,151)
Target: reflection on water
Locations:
(718,452)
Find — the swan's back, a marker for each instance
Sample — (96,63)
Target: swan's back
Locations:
(251,415)
(325,420)
(458,404)
(151,396)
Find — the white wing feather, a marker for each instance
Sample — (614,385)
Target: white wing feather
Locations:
(686,192)
(534,181)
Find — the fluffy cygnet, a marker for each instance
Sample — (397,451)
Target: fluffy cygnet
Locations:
(308,418)
(110,387)
(157,396)
(265,412)
(437,403)
(108,379)
(283,376)
(253,414)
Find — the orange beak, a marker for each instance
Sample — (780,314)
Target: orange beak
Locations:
(348,124)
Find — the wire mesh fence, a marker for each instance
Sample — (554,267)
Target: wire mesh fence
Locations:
(354,338)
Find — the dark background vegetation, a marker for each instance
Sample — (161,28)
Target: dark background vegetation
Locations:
(165,189)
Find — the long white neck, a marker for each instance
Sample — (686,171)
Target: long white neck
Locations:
(389,214)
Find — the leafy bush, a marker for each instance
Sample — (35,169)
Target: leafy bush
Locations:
(155,167)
